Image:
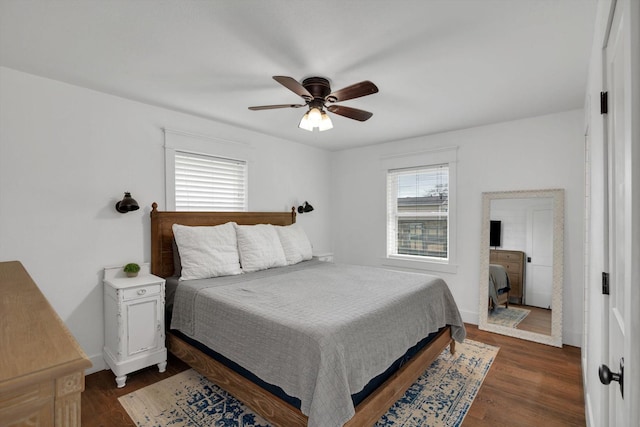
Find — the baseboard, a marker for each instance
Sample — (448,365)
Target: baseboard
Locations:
(98,364)
(572,338)
(470,317)
(569,338)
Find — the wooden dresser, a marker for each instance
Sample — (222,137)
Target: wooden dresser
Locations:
(513,262)
(41,364)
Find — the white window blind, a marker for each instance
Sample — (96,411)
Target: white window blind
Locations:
(418,212)
(207,183)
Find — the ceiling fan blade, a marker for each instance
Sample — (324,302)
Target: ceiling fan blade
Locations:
(352,113)
(272,107)
(354,91)
(294,86)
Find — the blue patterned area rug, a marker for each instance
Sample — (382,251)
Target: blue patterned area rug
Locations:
(440,397)
(509,317)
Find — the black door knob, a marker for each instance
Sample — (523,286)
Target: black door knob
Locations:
(606,376)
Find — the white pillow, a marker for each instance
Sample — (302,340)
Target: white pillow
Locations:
(259,247)
(207,251)
(295,243)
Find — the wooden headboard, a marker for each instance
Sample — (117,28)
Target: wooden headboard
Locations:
(162,232)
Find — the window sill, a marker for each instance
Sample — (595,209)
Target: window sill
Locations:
(439,267)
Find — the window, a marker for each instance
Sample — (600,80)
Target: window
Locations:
(421,210)
(207,183)
(418,212)
(204,173)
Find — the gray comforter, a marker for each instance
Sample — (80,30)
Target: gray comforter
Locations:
(318,330)
(498,281)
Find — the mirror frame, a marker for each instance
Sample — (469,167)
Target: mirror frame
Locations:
(555,339)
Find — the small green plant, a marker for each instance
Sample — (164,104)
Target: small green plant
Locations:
(131,269)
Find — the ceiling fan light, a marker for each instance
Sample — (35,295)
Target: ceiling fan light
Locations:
(315,117)
(317,94)
(325,123)
(305,123)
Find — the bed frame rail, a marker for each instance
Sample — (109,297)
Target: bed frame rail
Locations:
(281,413)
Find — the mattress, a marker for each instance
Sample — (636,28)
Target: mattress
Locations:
(318,331)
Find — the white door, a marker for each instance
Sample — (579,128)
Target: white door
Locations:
(539,272)
(623,225)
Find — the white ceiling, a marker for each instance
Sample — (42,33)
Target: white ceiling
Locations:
(440,65)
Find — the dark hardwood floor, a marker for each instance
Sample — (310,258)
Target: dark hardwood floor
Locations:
(529,384)
(100,406)
(538,320)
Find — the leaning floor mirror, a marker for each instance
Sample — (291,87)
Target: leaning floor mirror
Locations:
(521,264)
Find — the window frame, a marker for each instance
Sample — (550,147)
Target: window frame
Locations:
(204,146)
(422,160)
(241,181)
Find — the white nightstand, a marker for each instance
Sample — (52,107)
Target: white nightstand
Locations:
(133,322)
(325,257)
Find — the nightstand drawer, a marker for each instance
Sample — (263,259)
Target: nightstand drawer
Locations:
(141,291)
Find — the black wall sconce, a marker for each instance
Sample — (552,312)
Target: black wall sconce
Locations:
(127,204)
(305,208)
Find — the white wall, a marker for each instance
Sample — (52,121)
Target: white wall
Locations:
(537,153)
(67,154)
(513,221)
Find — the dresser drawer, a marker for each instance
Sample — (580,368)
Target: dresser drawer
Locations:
(511,266)
(29,396)
(509,256)
(514,279)
(141,291)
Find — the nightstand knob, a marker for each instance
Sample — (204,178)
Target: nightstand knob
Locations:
(142,291)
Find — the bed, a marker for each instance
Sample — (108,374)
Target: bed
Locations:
(334,343)
(498,286)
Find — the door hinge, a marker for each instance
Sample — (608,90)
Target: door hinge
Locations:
(605,283)
(604,102)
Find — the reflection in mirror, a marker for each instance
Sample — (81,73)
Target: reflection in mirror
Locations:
(521,263)
(521,259)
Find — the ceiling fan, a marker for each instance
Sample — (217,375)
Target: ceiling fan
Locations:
(317,95)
